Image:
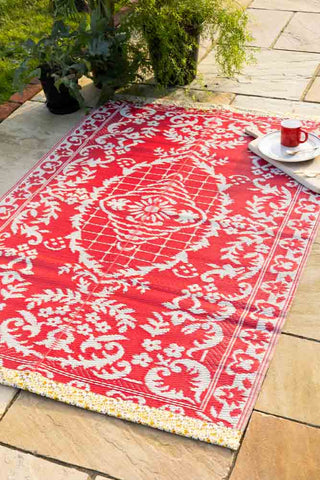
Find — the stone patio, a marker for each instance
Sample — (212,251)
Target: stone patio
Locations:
(42,439)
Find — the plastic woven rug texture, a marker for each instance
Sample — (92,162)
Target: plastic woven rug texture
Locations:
(147,264)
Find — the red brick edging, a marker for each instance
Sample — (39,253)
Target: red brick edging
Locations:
(17,99)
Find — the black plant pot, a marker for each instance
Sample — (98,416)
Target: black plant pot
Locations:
(181,68)
(59,101)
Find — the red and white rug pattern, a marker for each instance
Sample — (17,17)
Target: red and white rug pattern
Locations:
(146,267)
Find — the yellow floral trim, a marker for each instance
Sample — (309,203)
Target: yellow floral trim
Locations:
(153,417)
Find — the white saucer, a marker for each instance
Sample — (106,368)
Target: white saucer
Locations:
(270,146)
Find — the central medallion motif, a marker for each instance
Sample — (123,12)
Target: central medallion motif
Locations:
(147,219)
(151,212)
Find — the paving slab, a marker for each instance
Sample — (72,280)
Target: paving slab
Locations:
(276,105)
(17,465)
(303,318)
(294,5)
(266,25)
(205,47)
(6,396)
(313,94)
(110,446)
(276,74)
(27,135)
(302,33)
(292,386)
(244,3)
(278,449)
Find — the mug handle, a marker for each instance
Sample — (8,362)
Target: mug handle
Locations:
(306,135)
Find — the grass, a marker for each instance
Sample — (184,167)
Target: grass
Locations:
(19,20)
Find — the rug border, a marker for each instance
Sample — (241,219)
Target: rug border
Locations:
(283,317)
(164,420)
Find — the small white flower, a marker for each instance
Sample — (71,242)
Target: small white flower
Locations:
(210,287)
(93,317)
(63,309)
(212,297)
(195,288)
(2,305)
(151,345)
(143,359)
(9,252)
(84,329)
(103,327)
(44,312)
(174,350)
(54,321)
(138,121)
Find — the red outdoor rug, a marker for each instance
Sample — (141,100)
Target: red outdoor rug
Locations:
(147,264)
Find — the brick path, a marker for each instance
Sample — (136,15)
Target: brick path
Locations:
(40,438)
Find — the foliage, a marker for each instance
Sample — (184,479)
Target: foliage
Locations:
(60,53)
(66,8)
(166,25)
(92,45)
(19,20)
(113,59)
(172,26)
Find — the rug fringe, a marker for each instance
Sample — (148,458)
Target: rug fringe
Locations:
(149,416)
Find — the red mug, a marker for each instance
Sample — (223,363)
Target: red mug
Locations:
(292,134)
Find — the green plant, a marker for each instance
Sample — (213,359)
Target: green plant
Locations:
(172,29)
(113,58)
(59,53)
